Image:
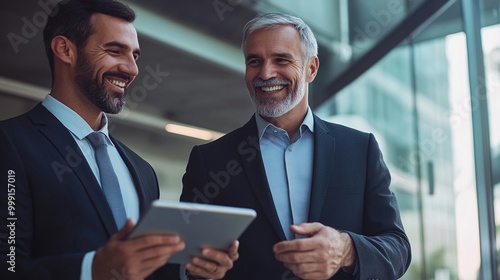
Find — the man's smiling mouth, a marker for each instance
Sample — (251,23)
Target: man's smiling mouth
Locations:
(117,83)
(272,88)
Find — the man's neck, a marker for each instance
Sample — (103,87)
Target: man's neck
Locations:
(80,104)
(291,120)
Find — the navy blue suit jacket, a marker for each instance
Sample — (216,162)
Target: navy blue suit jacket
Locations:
(60,208)
(350,192)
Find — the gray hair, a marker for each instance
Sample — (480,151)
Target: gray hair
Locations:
(271,20)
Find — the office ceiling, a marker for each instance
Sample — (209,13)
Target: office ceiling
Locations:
(197,90)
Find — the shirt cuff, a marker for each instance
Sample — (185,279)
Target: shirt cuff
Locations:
(86,273)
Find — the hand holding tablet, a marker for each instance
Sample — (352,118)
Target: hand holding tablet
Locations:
(199,225)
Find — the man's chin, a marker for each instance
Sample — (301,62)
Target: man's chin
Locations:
(114,108)
(270,113)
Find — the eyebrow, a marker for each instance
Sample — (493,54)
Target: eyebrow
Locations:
(122,46)
(284,55)
(251,56)
(280,55)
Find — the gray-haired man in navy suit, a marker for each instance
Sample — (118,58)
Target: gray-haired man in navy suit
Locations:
(321,190)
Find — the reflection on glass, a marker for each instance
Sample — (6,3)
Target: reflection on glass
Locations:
(466,217)
(369,21)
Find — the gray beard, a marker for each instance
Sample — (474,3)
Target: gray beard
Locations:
(272,107)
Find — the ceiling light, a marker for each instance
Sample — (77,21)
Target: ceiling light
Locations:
(199,133)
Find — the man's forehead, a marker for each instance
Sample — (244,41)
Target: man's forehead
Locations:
(108,29)
(103,22)
(279,41)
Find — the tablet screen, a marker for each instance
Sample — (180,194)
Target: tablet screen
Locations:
(199,225)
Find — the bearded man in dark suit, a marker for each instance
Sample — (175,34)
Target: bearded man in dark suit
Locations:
(74,197)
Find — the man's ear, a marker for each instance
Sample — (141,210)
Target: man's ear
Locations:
(312,69)
(63,49)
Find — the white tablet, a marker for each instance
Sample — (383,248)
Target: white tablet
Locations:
(199,225)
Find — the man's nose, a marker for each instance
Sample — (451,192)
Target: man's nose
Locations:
(267,71)
(129,66)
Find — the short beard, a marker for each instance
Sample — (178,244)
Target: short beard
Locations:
(271,107)
(94,90)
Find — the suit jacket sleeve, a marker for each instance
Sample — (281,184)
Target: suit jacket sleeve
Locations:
(383,249)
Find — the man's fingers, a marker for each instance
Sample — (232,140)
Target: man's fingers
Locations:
(150,259)
(212,256)
(200,263)
(162,250)
(302,257)
(303,267)
(296,245)
(214,263)
(122,234)
(158,259)
(136,258)
(306,228)
(317,257)
(152,241)
(233,250)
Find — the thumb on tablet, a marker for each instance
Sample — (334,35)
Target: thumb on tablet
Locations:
(122,233)
(233,250)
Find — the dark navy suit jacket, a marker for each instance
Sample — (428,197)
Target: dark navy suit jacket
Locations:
(60,208)
(350,192)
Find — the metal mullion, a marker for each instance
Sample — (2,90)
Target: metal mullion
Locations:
(482,149)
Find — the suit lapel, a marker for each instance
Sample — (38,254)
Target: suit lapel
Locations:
(254,169)
(324,150)
(65,144)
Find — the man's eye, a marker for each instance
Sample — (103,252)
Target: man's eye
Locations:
(113,52)
(253,62)
(281,61)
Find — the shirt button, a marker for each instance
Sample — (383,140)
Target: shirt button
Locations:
(289,149)
(275,131)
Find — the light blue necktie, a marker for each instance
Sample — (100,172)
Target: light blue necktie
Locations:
(109,181)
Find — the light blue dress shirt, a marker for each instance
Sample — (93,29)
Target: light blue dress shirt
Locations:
(288,163)
(79,129)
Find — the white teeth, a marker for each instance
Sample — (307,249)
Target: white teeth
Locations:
(118,83)
(273,88)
